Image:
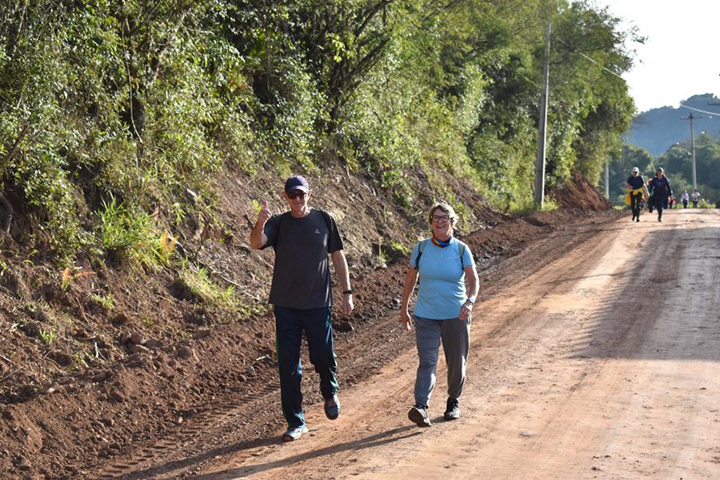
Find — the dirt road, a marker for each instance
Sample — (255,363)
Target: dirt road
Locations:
(604,363)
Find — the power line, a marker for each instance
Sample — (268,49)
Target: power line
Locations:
(572,49)
(596,63)
(701,111)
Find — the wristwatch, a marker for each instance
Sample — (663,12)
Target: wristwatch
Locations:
(347,292)
(471,300)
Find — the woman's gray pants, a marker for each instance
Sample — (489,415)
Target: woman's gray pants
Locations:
(455,336)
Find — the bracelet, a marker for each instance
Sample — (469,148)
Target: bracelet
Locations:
(347,292)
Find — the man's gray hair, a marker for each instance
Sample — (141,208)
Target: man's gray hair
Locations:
(449,211)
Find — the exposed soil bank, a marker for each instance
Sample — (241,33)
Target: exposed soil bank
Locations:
(92,388)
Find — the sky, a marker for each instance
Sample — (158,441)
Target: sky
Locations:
(680,56)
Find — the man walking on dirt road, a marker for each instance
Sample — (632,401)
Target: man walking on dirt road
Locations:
(695,198)
(300,292)
(636,189)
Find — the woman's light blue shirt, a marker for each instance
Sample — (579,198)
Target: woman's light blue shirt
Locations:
(441,292)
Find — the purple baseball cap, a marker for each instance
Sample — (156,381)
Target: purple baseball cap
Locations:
(297,182)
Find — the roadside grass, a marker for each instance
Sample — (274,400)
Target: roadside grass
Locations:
(527,207)
(705,204)
(400,247)
(202,287)
(48,336)
(106,301)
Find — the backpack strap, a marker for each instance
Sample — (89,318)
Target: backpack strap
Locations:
(461,251)
(421,247)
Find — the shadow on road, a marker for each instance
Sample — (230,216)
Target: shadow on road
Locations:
(377,440)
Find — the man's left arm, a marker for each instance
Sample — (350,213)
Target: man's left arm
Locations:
(341,270)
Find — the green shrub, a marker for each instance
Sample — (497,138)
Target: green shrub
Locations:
(126,234)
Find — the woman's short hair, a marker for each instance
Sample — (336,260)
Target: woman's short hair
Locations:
(447,209)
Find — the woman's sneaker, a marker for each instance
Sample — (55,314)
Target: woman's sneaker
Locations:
(419,415)
(452,412)
(294,433)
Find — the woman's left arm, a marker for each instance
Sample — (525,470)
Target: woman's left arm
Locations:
(471,282)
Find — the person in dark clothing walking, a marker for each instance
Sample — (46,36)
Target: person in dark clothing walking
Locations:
(636,189)
(661,191)
(300,292)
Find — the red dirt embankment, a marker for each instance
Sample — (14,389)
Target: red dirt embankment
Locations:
(86,384)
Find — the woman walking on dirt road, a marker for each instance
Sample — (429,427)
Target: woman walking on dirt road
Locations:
(442,311)
(660,186)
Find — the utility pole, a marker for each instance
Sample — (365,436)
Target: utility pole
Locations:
(542,122)
(691,117)
(607,179)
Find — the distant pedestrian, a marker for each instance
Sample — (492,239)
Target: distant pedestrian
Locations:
(636,190)
(671,201)
(685,198)
(447,291)
(302,239)
(660,186)
(695,198)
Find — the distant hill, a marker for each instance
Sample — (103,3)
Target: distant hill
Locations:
(659,128)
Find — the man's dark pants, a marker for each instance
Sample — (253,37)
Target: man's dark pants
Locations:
(289,326)
(635,204)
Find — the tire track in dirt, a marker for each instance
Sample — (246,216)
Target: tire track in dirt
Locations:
(190,438)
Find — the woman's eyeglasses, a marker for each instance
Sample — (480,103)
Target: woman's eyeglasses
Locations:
(440,218)
(296,194)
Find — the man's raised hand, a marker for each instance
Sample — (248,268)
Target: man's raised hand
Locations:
(257,236)
(264,214)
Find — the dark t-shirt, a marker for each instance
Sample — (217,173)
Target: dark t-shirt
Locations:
(636,182)
(301,277)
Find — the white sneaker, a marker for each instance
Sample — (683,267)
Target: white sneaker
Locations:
(294,433)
